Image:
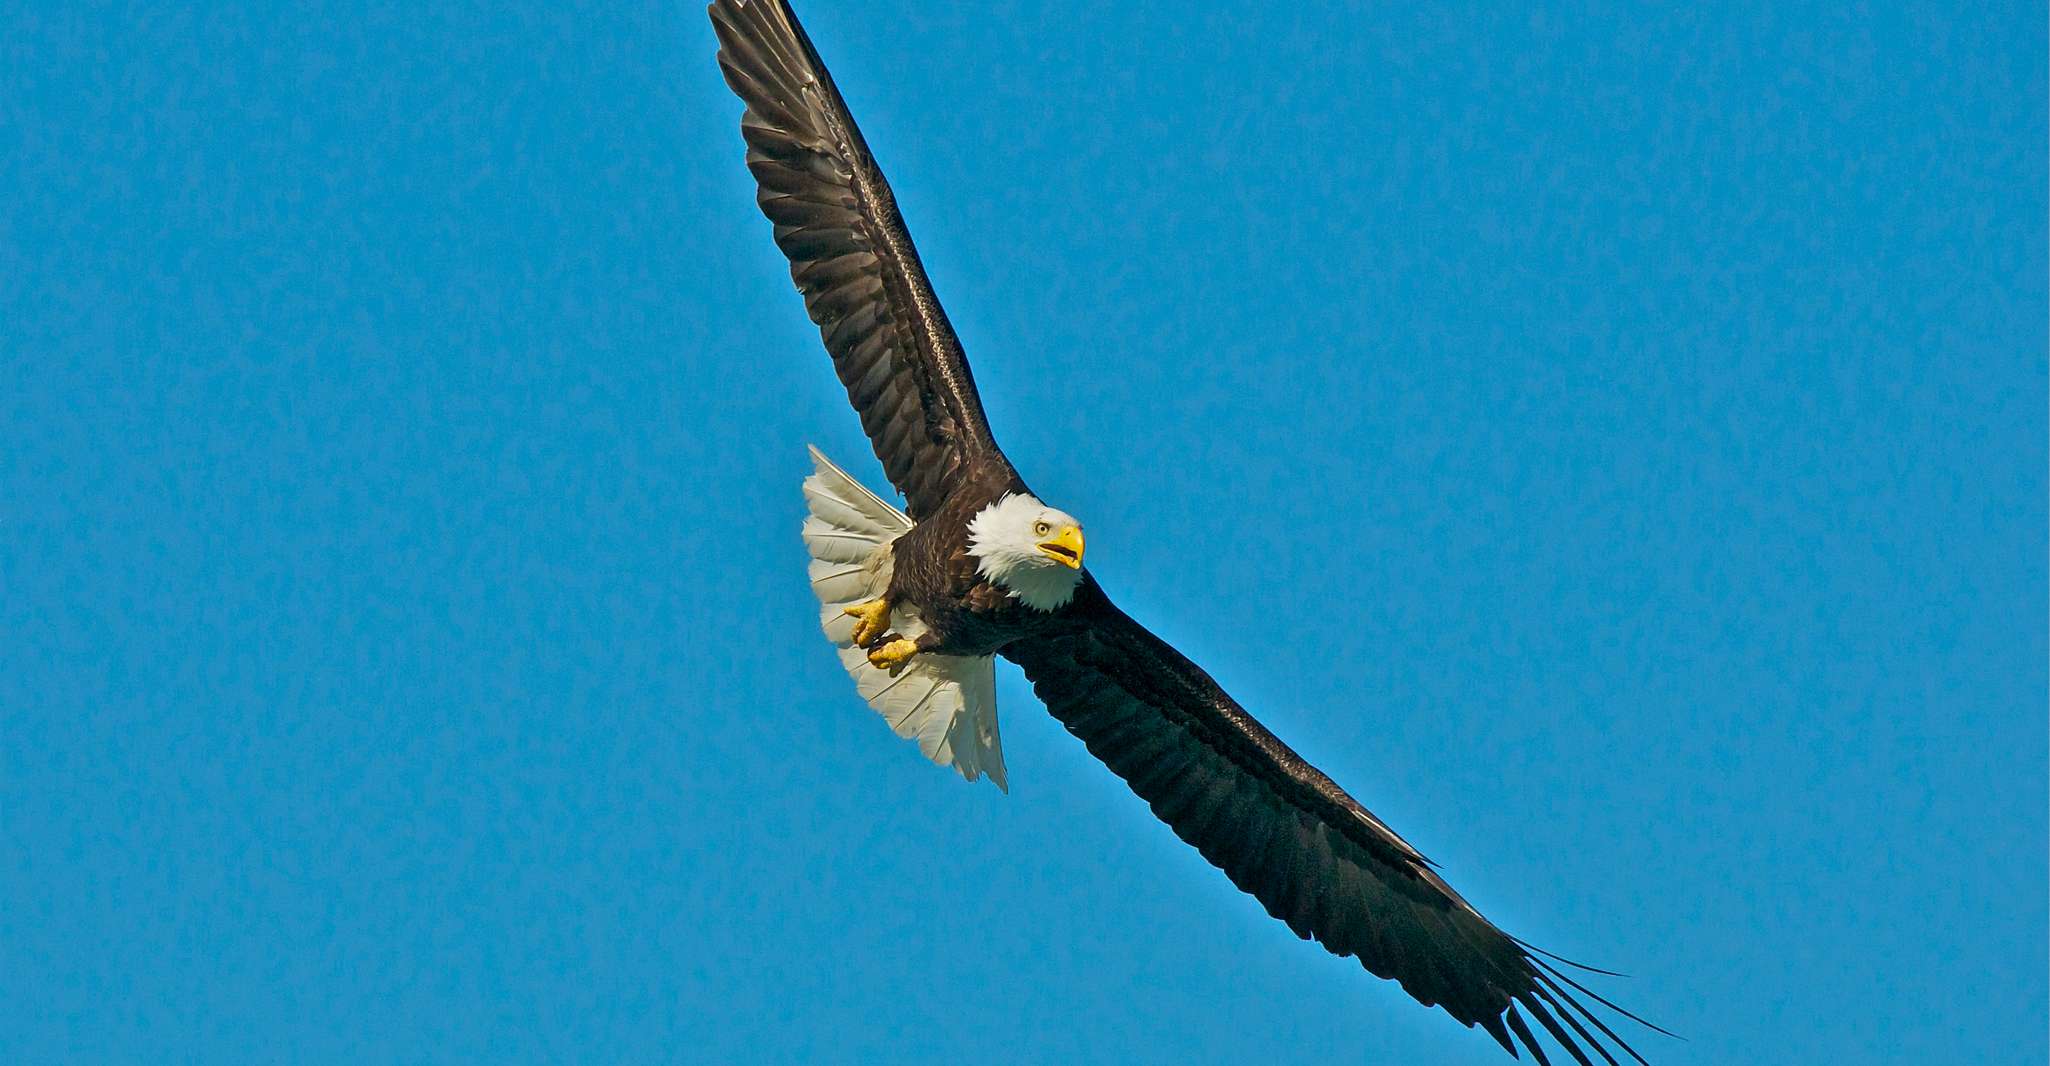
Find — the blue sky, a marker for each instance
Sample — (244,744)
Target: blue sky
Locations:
(1609,442)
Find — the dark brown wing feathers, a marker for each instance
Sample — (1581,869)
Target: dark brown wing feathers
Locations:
(1286,833)
(851,257)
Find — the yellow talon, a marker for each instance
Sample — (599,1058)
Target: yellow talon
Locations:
(893,655)
(871,620)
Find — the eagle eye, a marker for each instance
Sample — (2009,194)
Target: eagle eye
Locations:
(1041,529)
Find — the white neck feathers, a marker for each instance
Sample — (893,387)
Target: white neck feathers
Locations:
(1000,537)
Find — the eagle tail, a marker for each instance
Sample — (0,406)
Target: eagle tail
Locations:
(946,703)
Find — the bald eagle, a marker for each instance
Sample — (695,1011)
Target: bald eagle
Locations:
(920,601)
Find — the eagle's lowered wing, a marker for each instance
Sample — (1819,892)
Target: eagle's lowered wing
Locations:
(852,258)
(1288,835)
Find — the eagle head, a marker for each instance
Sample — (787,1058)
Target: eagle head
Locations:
(1030,550)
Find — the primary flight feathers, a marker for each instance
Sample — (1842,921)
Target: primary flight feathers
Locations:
(1281,830)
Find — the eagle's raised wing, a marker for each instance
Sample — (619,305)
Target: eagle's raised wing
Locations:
(1288,835)
(852,258)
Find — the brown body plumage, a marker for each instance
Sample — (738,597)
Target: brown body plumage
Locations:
(965,612)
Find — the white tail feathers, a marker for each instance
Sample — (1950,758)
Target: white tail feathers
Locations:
(946,703)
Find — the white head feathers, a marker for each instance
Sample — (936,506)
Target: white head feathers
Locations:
(1009,538)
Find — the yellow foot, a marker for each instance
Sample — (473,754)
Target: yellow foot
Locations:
(871,620)
(893,655)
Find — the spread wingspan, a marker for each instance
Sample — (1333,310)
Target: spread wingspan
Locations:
(1281,830)
(852,258)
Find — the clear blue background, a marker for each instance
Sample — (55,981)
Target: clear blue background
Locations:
(1611,443)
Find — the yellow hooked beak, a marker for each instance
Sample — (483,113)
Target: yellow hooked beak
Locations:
(1064,547)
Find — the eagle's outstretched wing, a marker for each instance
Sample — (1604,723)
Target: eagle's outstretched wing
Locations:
(852,258)
(1288,835)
